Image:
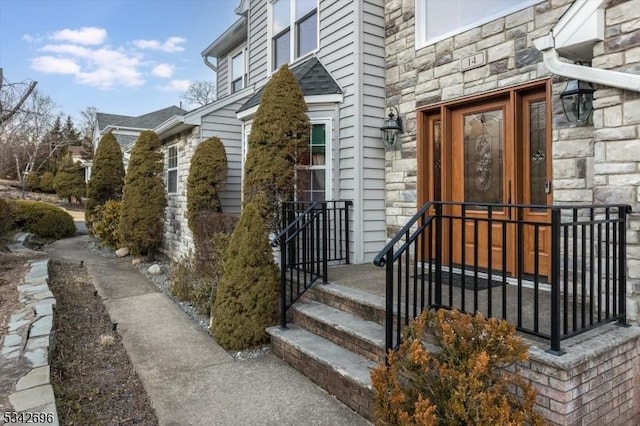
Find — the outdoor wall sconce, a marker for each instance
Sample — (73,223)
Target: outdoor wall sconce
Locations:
(392,128)
(577,101)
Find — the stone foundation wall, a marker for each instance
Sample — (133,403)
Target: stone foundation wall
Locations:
(178,240)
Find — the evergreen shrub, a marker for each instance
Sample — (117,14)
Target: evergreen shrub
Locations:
(33,181)
(43,219)
(247,295)
(207,179)
(105,223)
(7,211)
(279,136)
(107,176)
(464,380)
(142,221)
(69,182)
(46,182)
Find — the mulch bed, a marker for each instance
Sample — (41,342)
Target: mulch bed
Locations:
(94,382)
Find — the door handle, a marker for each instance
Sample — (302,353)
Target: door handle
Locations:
(547,187)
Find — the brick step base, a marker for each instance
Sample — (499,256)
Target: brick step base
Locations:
(363,337)
(339,371)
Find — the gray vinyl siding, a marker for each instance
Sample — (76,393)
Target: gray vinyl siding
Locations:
(224,124)
(222,77)
(258,61)
(356,148)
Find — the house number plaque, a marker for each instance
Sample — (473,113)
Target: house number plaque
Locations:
(471,62)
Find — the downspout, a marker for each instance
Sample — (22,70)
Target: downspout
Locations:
(205,58)
(611,78)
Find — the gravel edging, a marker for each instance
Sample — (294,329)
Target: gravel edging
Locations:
(163,283)
(29,343)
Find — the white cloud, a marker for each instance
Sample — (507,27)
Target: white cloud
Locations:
(103,68)
(163,70)
(87,36)
(172,44)
(50,64)
(177,86)
(31,38)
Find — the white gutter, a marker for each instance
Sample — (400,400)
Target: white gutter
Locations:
(560,34)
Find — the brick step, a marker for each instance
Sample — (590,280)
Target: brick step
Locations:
(363,337)
(339,371)
(364,305)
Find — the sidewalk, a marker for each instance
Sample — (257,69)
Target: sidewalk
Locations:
(189,378)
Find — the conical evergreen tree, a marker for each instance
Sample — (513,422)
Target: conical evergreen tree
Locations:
(142,221)
(107,177)
(279,135)
(69,181)
(247,295)
(207,179)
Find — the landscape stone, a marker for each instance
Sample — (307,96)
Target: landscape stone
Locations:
(36,377)
(155,269)
(122,252)
(14,325)
(43,309)
(27,399)
(12,339)
(37,357)
(10,352)
(136,261)
(37,342)
(41,327)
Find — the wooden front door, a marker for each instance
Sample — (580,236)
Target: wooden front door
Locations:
(494,151)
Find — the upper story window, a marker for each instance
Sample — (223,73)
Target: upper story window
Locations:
(172,169)
(440,19)
(294,30)
(238,75)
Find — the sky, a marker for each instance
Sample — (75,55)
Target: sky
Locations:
(126,57)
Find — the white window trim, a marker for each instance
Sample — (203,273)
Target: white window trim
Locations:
(169,169)
(328,169)
(245,77)
(421,18)
(328,122)
(292,59)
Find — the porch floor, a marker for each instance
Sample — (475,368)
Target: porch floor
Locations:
(370,279)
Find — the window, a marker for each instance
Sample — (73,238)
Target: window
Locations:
(311,171)
(440,19)
(172,169)
(294,29)
(237,71)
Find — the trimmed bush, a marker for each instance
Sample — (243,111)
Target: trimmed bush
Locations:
(7,212)
(188,285)
(142,222)
(279,136)
(69,182)
(43,219)
(247,295)
(207,179)
(463,381)
(107,176)
(105,224)
(211,234)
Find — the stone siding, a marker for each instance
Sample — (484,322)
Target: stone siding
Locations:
(592,163)
(178,239)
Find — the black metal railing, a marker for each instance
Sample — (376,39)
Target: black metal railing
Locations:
(552,271)
(314,234)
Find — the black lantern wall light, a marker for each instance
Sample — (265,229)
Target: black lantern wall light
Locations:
(392,128)
(577,101)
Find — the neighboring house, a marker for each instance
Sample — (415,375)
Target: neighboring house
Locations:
(336,51)
(126,128)
(76,153)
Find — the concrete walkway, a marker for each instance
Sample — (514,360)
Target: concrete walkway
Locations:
(188,377)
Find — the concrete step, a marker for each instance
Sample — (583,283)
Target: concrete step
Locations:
(339,371)
(365,305)
(363,337)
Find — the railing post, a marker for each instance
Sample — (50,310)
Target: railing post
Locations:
(346,229)
(438,254)
(555,281)
(283,281)
(325,243)
(388,320)
(622,264)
